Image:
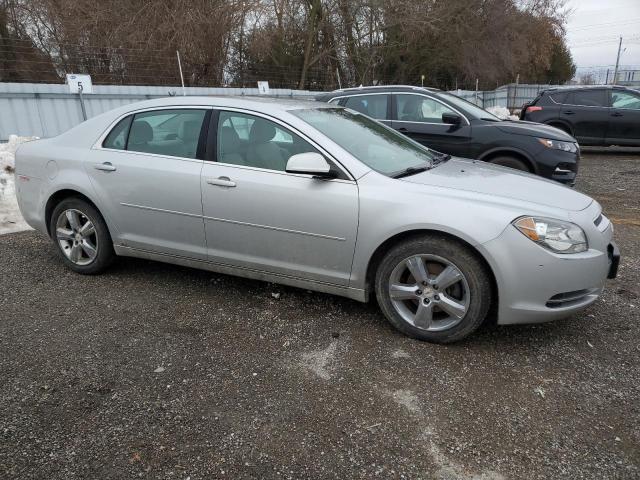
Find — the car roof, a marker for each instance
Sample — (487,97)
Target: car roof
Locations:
(264,104)
(378,89)
(568,88)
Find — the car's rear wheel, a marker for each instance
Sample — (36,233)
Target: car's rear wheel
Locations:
(433,288)
(511,162)
(81,236)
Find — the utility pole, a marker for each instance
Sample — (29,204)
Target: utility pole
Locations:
(615,72)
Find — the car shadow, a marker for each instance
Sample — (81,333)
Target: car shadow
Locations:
(489,335)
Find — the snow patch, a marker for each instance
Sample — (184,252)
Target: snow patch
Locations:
(408,399)
(502,112)
(320,361)
(10,218)
(400,353)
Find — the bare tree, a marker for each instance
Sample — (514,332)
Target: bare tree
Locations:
(293,43)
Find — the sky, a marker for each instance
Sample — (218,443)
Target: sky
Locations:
(593,29)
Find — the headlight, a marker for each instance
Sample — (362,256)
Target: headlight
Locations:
(554,235)
(558,145)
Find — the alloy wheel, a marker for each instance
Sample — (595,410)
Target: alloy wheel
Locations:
(77,237)
(429,292)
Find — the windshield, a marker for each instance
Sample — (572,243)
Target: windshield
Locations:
(374,144)
(469,107)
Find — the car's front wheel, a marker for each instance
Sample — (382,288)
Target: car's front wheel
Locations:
(511,162)
(433,288)
(81,236)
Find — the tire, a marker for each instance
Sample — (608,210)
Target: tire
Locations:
(71,233)
(511,162)
(471,289)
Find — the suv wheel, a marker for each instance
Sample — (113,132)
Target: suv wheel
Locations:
(81,236)
(432,288)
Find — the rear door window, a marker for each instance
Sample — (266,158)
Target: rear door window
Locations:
(374,106)
(587,98)
(627,100)
(174,133)
(417,108)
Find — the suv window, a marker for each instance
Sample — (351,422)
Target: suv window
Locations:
(559,97)
(621,99)
(588,98)
(167,132)
(373,105)
(416,108)
(257,142)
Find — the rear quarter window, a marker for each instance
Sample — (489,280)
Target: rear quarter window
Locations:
(558,97)
(117,138)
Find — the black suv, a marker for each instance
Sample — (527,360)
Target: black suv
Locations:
(603,115)
(449,124)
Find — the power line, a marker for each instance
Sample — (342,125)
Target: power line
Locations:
(628,21)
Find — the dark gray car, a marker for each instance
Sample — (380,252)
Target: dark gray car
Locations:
(448,124)
(602,115)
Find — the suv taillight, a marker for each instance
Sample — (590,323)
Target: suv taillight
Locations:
(533,108)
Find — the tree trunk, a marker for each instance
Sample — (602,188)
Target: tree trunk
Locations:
(313,23)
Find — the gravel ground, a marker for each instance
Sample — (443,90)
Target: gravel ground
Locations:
(157,371)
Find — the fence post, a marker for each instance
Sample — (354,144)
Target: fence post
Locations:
(84,111)
(184,93)
(476,91)
(515,94)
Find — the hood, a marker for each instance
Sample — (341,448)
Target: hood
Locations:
(494,180)
(533,129)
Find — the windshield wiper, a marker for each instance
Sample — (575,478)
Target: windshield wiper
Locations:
(441,158)
(411,170)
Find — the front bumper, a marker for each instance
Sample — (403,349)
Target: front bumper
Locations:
(558,165)
(536,285)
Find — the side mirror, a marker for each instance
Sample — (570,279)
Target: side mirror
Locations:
(309,163)
(451,118)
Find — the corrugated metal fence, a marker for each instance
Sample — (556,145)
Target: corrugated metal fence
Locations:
(511,96)
(45,110)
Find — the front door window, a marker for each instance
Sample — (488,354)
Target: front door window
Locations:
(257,142)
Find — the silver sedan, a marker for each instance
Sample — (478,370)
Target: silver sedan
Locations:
(318,197)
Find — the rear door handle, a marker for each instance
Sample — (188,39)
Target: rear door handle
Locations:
(221,182)
(568,112)
(105,167)
(616,114)
(402,129)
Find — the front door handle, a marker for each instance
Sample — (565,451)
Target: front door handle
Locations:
(105,167)
(616,114)
(568,112)
(221,182)
(402,129)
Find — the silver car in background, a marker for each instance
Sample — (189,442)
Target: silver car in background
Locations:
(318,197)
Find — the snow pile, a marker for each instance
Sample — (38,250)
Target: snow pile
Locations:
(10,218)
(502,112)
